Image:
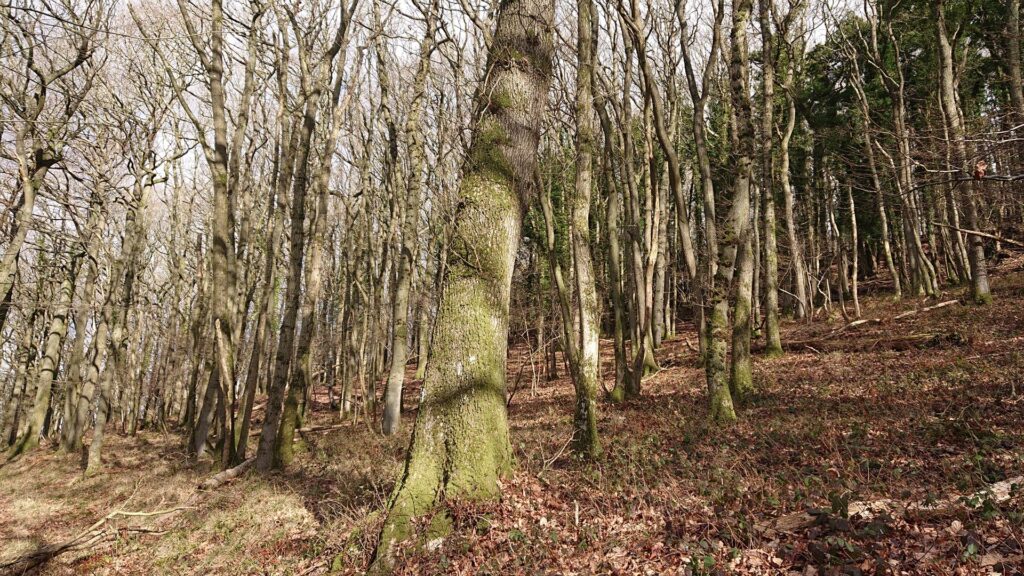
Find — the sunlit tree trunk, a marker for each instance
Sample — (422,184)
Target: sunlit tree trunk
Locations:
(980,291)
(460,446)
(410,238)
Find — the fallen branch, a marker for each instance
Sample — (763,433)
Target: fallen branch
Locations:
(981,234)
(863,321)
(322,427)
(92,535)
(557,455)
(926,309)
(226,476)
(998,492)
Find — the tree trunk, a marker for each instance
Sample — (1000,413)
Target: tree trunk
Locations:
(773,341)
(410,236)
(741,380)
(460,446)
(50,361)
(734,232)
(1013,58)
(980,292)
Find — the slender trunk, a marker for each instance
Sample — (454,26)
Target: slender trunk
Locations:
(854,250)
(23,357)
(614,267)
(773,340)
(588,371)
(77,397)
(50,361)
(410,237)
(980,291)
(1013,57)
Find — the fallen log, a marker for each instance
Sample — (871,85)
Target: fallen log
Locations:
(867,510)
(821,339)
(926,309)
(226,476)
(321,428)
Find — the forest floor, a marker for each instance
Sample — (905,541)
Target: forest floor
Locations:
(867,449)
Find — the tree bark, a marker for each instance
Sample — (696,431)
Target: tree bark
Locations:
(773,340)
(410,236)
(50,361)
(460,446)
(980,291)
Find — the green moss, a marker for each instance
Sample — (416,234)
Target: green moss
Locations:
(488,157)
(618,394)
(440,526)
(742,383)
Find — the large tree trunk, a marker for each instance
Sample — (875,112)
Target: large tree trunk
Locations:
(460,446)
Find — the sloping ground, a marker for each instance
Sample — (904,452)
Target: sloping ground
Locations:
(903,413)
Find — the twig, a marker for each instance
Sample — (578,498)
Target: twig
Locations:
(557,455)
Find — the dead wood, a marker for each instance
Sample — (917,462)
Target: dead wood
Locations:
(226,476)
(868,510)
(98,532)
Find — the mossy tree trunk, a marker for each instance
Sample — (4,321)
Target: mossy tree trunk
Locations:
(735,230)
(773,341)
(460,445)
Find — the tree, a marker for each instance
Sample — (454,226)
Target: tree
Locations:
(460,446)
